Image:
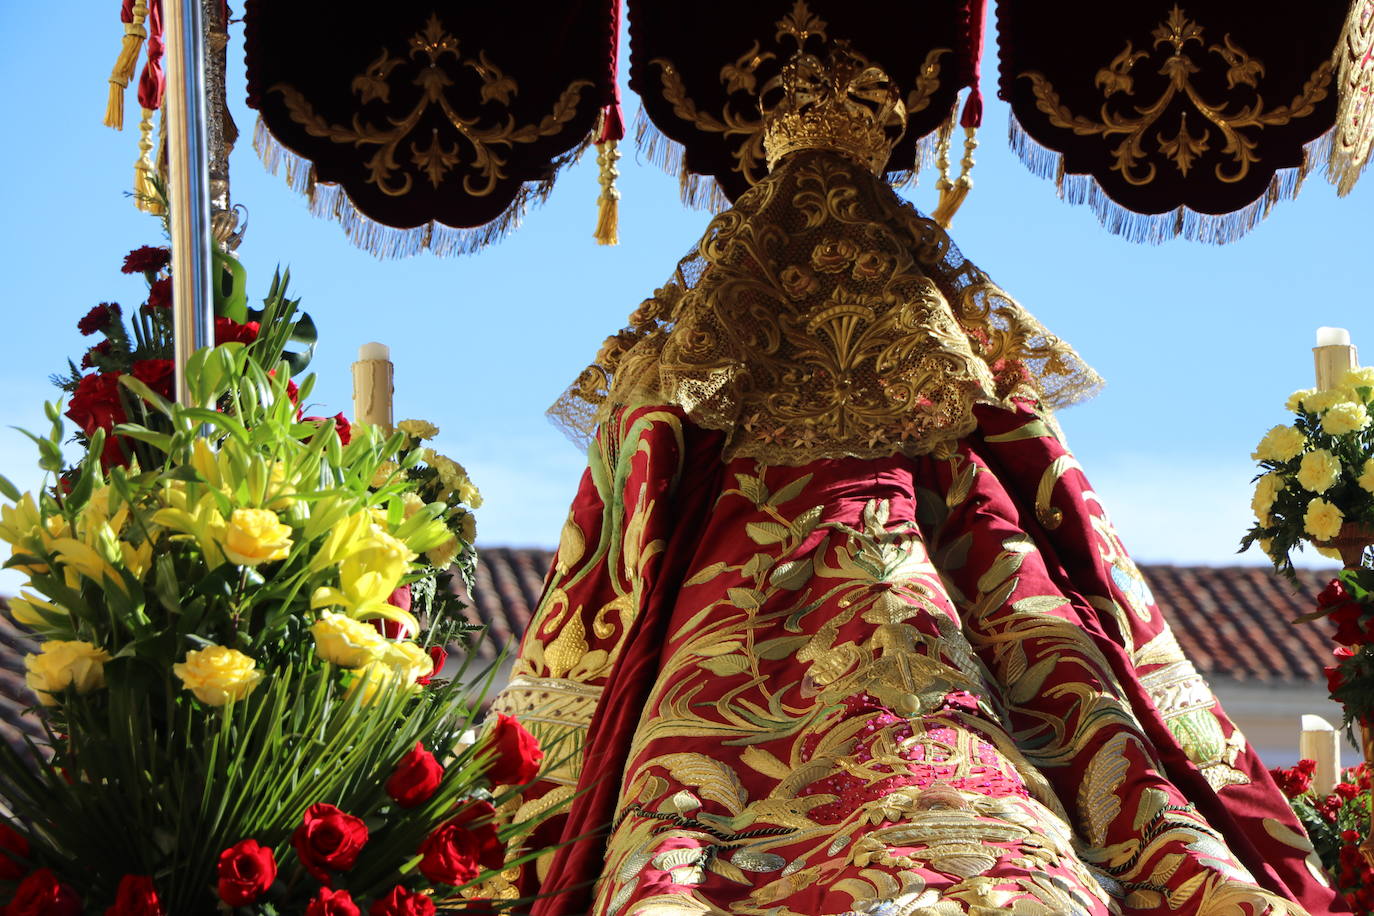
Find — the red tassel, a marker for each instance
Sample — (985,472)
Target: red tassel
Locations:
(152,83)
(975,12)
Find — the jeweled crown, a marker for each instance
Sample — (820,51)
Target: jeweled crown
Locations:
(840,103)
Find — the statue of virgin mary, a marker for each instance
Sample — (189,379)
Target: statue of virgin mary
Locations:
(836,624)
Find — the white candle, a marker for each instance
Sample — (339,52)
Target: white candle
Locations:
(376,350)
(1333,337)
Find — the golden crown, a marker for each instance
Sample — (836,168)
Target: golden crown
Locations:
(840,103)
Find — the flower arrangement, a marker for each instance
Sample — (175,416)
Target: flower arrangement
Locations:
(241,650)
(1317,473)
(1337,824)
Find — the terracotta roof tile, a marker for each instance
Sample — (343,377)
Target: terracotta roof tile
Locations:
(1233,622)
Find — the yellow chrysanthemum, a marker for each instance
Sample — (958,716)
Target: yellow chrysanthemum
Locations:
(1318,470)
(1320,401)
(1359,378)
(1345,418)
(418,429)
(1282,443)
(1322,520)
(1366,478)
(1295,399)
(1267,489)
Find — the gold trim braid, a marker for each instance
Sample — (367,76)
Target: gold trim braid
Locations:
(824,317)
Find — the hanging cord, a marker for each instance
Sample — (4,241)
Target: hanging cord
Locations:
(610,131)
(132,14)
(150,90)
(953,193)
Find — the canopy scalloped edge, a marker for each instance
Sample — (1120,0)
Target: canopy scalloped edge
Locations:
(331,201)
(1157,228)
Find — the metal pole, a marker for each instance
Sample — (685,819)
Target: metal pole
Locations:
(188,185)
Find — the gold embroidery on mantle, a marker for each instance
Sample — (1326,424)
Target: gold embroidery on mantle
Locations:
(823,317)
(1186,143)
(437,159)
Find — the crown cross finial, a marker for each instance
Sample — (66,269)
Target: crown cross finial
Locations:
(841,103)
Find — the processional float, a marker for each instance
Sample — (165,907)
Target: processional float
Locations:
(432,126)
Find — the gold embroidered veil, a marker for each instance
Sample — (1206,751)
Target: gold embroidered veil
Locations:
(822,316)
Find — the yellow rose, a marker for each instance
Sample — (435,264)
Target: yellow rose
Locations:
(1366,478)
(218,674)
(1281,443)
(1295,399)
(255,536)
(346,642)
(1319,470)
(1320,401)
(1267,489)
(1345,418)
(418,429)
(373,681)
(1322,520)
(60,664)
(409,661)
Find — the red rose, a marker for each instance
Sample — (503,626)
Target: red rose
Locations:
(332,903)
(227,330)
(99,318)
(246,871)
(13,847)
(40,894)
(159,295)
(401,902)
(1334,594)
(440,657)
(157,374)
(1346,790)
(516,754)
(415,779)
(145,259)
(136,897)
(458,850)
(328,840)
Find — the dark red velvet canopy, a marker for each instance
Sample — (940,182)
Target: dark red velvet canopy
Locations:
(442,119)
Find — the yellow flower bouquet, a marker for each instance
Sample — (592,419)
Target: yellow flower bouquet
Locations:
(240,636)
(1316,480)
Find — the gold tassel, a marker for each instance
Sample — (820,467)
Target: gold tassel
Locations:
(123,72)
(952,193)
(608,204)
(145,190)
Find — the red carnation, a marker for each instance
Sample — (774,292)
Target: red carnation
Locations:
(458,850)
(516,754)
(1346,791)
(415,779)
(157,374)
(159,295)
(342,427)
(328,840)
(13,847)
(227,330)
(246,871)
(439,657)
(1335,593)
(332,903)
(100,349)
(40,894)
(401,902)
(96,405)
(99,318)
(146,259)
(1297,780)
(136,897)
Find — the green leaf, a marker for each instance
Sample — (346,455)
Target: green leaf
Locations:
(9,490)
(231,292)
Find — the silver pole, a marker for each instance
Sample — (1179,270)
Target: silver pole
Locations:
(188,185)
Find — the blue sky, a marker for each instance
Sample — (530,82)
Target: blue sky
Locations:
(1199,344)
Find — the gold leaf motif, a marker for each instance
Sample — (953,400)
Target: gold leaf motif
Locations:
(765,533)
(726,665)
(1099,802)
(1182,63)
(712,779)
(762,761)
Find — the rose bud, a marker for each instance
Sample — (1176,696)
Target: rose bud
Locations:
(332,903)
(459,849)
(40,894)
(415,779)
(136,897)
(401,902)
(516,753)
